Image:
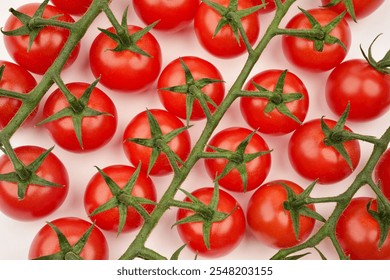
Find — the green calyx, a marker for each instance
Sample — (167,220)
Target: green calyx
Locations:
(382,65)
(382,216)
(348,6)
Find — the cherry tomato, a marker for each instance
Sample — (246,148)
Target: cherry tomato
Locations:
(17,79)
(270,222)
(256,169)
(96,131)
(274,122)
(46,46)
(98,193)
(362,8)
(174,75)
(366,89)
(313,159)
(46,241)
(39,201)
(73,7)
(313,60)
(225,235)
(224,44)
(139,128)
(125,70)
(358,232)
(382,173)
(172,15)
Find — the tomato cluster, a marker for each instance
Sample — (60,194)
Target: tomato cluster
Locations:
(263,158)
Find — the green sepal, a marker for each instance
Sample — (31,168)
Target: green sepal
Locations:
(296,257)
(176,254)
(348,6)
(382,65)
(382,216)
(320,253)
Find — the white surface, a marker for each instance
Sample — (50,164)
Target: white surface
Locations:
(15,236)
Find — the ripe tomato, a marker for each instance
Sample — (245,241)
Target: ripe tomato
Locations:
(174,75)
(173,15)
(358,232)
(39,201)
(382,173)
(98,193)
(312,159)
(362,8)
(270,222)
(73,7)
(17,79)
(96,131)
(366,89)
(225,235)
(46,241)
(125,70)
(256,169)
(46,46)
(224,44)
(274,122)
(139,127)
(313,60)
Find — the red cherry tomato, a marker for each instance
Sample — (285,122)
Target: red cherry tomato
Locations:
(46,46)
(98,193)
(362,8)
(312,159)
(270,222)
(174,75)
(17,79)
(39,201)
(302,53)
(224,235)
(256,169)
(73,7)
(358,232)
(46,241)
(382,173)
(96,130)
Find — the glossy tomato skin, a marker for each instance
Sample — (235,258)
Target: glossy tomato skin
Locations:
(15,78)
(225,235)
(362,8)
(98,193)
(172,15)
(269,222)
(313,60)
(174,75)
(139,128)
(257,169)
(358,232)
(125,71)
(274,122)
(224,44)
(382,173)
(39,201)
(73,7)
(312,159)
(364,88)
(46,242)
(96,131)
(46,46)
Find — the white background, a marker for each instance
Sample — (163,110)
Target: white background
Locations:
(16,236)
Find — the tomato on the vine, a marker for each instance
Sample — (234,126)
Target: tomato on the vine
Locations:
(225,235)
(46,46)
(98,193)
(268,219)
(175,75)
(125,70)
(14,78)
(363,87)
(256,169)
(382,173)
(253,109)
(172,15)
(362,8)
(303,53)
(73,7)
(97,127)
(38,201)
(46,241)
(358,232)
(313,159)
(224,43)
